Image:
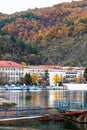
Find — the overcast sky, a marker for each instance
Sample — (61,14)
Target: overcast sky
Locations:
(12,6)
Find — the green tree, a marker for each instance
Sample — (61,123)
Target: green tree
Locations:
(69,23)
(85,73)
(27,79)
(46,77)
(21,81)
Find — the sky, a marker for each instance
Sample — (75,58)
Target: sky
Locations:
(12,6)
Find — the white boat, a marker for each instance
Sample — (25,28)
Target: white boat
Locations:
(34,88)
(17,88)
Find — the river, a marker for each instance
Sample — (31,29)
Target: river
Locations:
(43,99)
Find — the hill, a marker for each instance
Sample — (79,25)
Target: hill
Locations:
(59,33)
(16,50)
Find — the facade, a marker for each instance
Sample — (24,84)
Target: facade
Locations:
(34,69)
(71,72)
(66,73)
(11,71)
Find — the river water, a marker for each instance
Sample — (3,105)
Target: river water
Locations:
(43,99)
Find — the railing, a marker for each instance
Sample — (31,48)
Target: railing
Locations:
(70,105)
(7,112)
(26,111)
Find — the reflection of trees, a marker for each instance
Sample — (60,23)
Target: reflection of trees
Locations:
(27,97)
(34,99)
(72,126)
(56,95)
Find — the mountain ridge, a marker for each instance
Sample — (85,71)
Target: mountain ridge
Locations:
(58,32)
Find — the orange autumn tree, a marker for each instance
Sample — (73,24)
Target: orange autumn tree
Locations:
(34,78)
(76,79)
(56,79)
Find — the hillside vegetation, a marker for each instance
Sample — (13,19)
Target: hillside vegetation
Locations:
(55,35)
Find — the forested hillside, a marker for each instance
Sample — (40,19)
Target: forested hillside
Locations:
(55,35)
(14,49)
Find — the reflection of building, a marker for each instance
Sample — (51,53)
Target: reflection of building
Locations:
(76,94)
(17,97)
(35,99)
(11,70)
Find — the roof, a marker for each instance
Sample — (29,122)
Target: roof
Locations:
(9,64)
(50,66)
(44,67)
(76,87)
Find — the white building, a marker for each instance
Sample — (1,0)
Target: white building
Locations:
(11,70)
(14,71)
(68,73)
(34,69)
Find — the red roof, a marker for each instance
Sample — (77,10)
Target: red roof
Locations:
(51,66)
(9,64)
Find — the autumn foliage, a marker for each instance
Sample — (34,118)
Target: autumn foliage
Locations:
(34,78)
(59,32)
(56,79)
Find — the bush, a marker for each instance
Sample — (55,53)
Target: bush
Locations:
(6,104)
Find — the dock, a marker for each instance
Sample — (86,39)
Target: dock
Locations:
(17,114)
(16,120)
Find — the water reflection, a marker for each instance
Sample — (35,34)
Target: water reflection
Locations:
(74,126)
(44,99)
(66,125)
(36,98)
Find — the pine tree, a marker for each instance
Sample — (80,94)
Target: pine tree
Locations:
(85,73)
(27,79)
(47,77)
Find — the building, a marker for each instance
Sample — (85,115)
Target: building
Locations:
(73,72)
(66,73)
(11,71)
